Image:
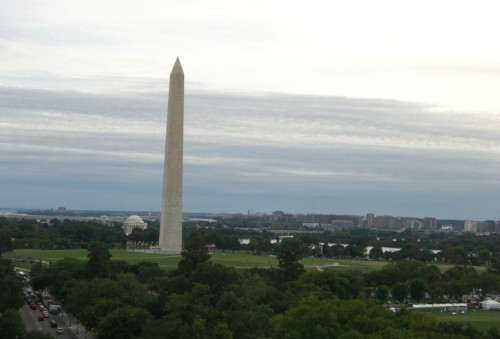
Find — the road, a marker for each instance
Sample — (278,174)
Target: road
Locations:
(30,318)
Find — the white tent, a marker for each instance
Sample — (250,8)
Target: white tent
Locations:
(490,305)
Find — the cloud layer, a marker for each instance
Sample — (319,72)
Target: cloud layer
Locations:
(263,151)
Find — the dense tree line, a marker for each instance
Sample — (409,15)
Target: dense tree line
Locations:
(201,299)
(453,248)
(29,233)
(416,279)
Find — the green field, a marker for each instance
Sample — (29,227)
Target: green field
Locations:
(478,318)
(238,260)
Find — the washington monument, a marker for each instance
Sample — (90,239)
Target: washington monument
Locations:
(171,203)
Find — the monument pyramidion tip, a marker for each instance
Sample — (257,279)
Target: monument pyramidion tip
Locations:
(177,67)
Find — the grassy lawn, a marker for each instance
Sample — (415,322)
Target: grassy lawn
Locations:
(239,260)
(478,318)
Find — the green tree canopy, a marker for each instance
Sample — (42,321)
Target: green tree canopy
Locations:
(99,263)
(382,293)
(194,254)
(123,323)
(11,287)
(5,243)
(400,291)
(417,289)
(289,265)
(11,324)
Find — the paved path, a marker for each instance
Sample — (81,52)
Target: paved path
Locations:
(30,318)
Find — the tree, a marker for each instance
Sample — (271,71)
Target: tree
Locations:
(429,273)
(361,243)
(5,243)
(382,293)
(98,310)
(36,269)
(484,256)
(10,287)
(428,255)
(123,323)
(458,288)
(258,245)
(289,265)
(99,263)
(296,322)
(437,289)
(216,276)
(85,294)
(400,291)
(11,325)
(194,254)
(417,289)
(345,285)
(376,252)
(489,282)
(421,321)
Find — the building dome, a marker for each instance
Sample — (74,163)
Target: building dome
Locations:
(134,219)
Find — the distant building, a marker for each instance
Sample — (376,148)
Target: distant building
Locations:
(384,221)
(430,223)
(342,223)
(470,226)
(413,224)
(133,222)
(322,219)
(393,224)
(300,217)
(370,220)
(489,226)
(357,220)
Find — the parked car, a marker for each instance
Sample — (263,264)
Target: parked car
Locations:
(33,307)
(53,323)
(41,318)
(59,330)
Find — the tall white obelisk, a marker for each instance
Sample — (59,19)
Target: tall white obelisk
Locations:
(171,204)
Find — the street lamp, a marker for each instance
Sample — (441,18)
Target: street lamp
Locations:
(76,326)
(69,321)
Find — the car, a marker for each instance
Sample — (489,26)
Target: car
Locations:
(45,314)
(41,318)
(33,307)
(53,323)
(59,330)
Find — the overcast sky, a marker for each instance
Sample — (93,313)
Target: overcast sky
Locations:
(351,107)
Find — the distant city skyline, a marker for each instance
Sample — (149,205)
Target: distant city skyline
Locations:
(386,107)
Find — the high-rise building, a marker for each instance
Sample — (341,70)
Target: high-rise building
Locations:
(370,220)
(357,220)
(413,224)
(430,223)
(171,205)
(470,226)
(489,226)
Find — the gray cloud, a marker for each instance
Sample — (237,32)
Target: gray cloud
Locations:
(104,150)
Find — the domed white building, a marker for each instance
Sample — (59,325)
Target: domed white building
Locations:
(134,221)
